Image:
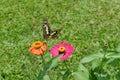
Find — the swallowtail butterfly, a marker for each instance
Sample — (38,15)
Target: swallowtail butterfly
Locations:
(47,32)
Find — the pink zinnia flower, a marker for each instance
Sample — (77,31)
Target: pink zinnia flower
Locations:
(62,48)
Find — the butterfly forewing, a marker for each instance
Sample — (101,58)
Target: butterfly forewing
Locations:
(46,29)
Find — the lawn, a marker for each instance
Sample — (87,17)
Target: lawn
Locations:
(89,25)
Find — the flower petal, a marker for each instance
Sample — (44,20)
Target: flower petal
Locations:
(44,47)
(64,57)
(69,48)
(54,51)
(36,51)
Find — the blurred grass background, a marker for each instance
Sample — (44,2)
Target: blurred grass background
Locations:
(87,24)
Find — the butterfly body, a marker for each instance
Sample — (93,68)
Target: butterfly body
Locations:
(47,32)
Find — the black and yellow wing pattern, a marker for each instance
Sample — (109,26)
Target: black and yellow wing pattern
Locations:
(47,32)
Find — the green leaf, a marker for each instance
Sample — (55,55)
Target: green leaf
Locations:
(87,59)
(118,48)
(113,54)
(96,63)
(80,76)
(46,77)
(82,73)
(83,69)
(91,57)
(113,62)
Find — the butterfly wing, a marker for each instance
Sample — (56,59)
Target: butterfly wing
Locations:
(54,33)
(47,33)
(46,29)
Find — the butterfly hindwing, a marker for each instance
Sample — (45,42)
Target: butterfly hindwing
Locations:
(47,33)
(53,34)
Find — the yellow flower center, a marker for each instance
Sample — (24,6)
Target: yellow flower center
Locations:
(37,44)
(61,49)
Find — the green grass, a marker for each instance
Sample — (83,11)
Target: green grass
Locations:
(87,24)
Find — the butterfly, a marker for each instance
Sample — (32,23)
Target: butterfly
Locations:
(47,32)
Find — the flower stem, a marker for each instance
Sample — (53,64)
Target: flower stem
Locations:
(43,61)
